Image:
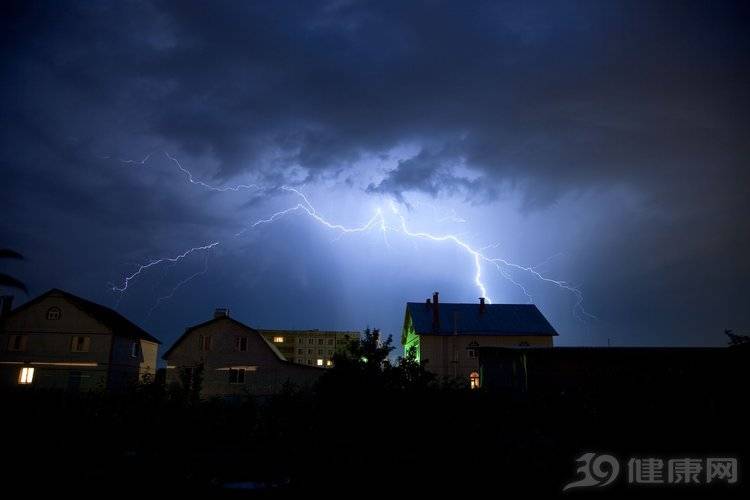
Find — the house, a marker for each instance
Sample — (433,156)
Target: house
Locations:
(310,347)
(61,341)
(225,358)
(447,336)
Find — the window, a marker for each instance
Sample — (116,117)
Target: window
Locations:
(205,342)
(330,352)
(474,380)
(320,341)
(309,361)
(523,344)
(472,350)
(80,344)
(134,349)
(54,313)
(17,343)
(278,340)
(300,340)
(300,351)
(310,341)
(320,362)
(26,376)
(329,362)
(241,344)
(309,351)
(320,351)
(330,341)
(237,376)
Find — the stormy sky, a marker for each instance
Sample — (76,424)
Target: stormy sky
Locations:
(602,145)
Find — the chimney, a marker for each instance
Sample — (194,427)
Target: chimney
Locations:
(221,312)
(482,307)
(435,313)
(6,303)
(427,303)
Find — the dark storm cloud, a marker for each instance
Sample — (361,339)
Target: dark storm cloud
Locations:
(554,97)
(494,98)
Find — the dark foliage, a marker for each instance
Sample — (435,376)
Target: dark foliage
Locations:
(370,428)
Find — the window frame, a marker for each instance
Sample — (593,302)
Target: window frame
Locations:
(80,343)
(238,374)
(26,375)
(474,381)
(57,312)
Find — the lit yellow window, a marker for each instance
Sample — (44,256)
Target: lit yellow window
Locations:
(278,340)
(320,362)
(26,376)
(329,363)
(474,380)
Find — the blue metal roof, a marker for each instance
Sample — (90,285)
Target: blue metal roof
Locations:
(466,319)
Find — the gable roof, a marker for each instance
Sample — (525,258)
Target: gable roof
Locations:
(119,324)
(466,319)
(188,330)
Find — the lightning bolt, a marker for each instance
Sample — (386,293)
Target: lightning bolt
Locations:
(144,267)
(378,220)
(180,285)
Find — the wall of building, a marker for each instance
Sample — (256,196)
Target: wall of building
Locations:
(310,347)
(449,355)
(47,347)
(265,371)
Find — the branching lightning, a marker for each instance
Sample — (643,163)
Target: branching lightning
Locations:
(378,221)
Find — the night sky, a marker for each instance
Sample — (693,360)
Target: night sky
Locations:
(602,144)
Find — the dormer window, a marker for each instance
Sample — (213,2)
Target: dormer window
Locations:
(54,313)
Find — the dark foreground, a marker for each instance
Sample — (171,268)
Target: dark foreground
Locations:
(357,442)
(372,428)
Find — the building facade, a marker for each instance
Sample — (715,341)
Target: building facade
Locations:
(448,336)
(230,359)
(310,347)
(61,341)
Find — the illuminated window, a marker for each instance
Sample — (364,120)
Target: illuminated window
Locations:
(204,342)
(80,344)
(26,376)
(54,313)
(278,340)
(241,344)
(237,376)
(320,362)
(17,343)
(329,363)
(472,349)
(474,380)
